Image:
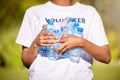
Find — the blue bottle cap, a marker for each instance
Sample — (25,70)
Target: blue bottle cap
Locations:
(56,31)
(62,28)
(50,22)
(80,29)
(76,25)
(72,20)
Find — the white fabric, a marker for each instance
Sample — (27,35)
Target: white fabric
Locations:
(45,69)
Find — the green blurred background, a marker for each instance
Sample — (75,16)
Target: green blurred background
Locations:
(11,15)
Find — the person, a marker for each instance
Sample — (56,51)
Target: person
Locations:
(33,35)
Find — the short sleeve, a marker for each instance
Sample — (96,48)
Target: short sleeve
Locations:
(97,33)
(25,35)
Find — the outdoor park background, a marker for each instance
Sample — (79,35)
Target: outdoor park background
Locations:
(11,15)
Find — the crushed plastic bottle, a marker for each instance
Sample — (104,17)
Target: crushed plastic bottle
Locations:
(68,26)
(76,53)
(49,51)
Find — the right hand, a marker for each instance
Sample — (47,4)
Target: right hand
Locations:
(46,38)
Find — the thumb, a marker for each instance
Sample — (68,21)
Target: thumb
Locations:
(43,31)
(44,28)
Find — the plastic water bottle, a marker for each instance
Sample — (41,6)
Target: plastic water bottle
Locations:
(44,50)
(76,52)
(52,55)
(68,26)
(64,30)
(48,51)
(71,22)
(57,31)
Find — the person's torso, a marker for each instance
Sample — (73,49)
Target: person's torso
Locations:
(82,15)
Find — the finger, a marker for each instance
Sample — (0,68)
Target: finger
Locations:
(61,49)
(44,28)
(49,38)
(51,34)
(43,38)
(62,40)
(46,41)
(43,31)
(65,35)
(46,45)
(52,37)
(65,49)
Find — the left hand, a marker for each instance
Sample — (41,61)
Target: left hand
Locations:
(68,42)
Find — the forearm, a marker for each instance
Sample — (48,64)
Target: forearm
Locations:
(43,39)
(29,55)
(100,53)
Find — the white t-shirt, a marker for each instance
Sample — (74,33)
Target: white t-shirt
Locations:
(44,69)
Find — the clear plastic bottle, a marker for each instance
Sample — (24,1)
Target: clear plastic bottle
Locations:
(64,30)
(68,26)
(48,51)
(76,52)
(71,22)
(52,55)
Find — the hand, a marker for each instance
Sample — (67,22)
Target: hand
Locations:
(68,42)
(46,38)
